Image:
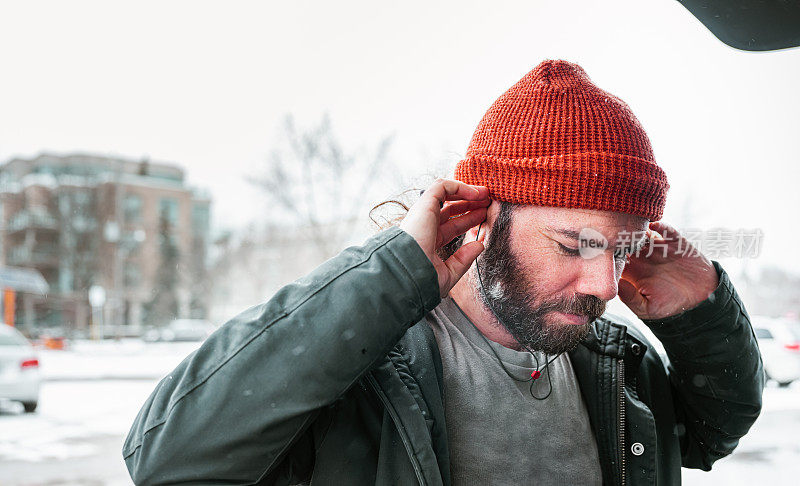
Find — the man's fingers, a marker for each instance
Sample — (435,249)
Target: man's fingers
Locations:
(432,225)
(635,267)
(456,226)
(449,190)
(630,296)
(459,263)
(666,231)
(456,208)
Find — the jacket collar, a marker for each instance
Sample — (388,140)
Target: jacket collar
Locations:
(606,337)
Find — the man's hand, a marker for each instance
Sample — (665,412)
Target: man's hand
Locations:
(445,210)
(674,278)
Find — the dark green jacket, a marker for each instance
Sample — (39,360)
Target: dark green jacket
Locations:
(337,380)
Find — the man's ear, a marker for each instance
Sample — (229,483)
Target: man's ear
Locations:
(491,214)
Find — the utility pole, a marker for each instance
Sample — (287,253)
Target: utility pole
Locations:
(119,281)
(97,298)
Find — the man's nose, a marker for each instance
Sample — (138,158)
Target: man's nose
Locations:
(599,277)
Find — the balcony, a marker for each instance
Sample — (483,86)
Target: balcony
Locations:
(32,219)
(40,255)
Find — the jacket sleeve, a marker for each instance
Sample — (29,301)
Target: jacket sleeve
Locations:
(232,408)
(715,371)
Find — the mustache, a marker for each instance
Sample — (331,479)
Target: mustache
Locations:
(579,304)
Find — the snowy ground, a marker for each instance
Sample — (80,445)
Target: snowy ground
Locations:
(94,391)
(769,453)
(92,394)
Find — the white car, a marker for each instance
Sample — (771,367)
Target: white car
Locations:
(779,341)
(20,378)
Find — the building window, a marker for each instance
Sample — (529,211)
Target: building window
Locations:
(168,208)
(200,218)
(82,199)
(132,240)
(132,276)
(132,207)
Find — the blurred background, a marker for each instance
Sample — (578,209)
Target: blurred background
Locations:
(165,165)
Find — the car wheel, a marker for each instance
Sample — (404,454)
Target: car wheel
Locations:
(30,407)
(784,384)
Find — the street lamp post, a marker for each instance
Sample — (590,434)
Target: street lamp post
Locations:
(97,298)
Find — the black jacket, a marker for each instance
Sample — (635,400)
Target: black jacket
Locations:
(337,380)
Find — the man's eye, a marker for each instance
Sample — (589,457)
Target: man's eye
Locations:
(569,251)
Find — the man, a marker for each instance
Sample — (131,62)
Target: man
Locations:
(385,366)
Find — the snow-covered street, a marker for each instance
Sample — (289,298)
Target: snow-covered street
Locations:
(90,397)
(75,437)
(769,453)
(95,390)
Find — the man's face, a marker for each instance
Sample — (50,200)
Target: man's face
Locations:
(546,274)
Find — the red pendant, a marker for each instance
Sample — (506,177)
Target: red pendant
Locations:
(536,374)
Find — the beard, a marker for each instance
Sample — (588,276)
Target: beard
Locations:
(509,295)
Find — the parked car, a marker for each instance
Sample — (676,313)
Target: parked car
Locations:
(779,340)
(19,369)
(181,330)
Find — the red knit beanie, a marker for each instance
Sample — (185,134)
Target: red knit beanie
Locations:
(556,139)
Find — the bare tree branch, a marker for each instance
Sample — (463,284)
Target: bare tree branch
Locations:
(311,176)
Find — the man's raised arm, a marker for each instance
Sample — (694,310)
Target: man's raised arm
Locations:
(715,367)
(231,409)
(716,373)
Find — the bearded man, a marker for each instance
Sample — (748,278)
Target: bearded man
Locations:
(385,366)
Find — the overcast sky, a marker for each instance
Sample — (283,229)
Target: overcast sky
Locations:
(206,84)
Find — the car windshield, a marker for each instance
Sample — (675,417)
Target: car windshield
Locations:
(762,333)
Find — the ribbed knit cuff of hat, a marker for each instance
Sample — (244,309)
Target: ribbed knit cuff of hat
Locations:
(597,180)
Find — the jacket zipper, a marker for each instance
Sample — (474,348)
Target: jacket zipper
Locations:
(400,429)
(621,421)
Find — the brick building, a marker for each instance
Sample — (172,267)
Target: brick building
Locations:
(84,220)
